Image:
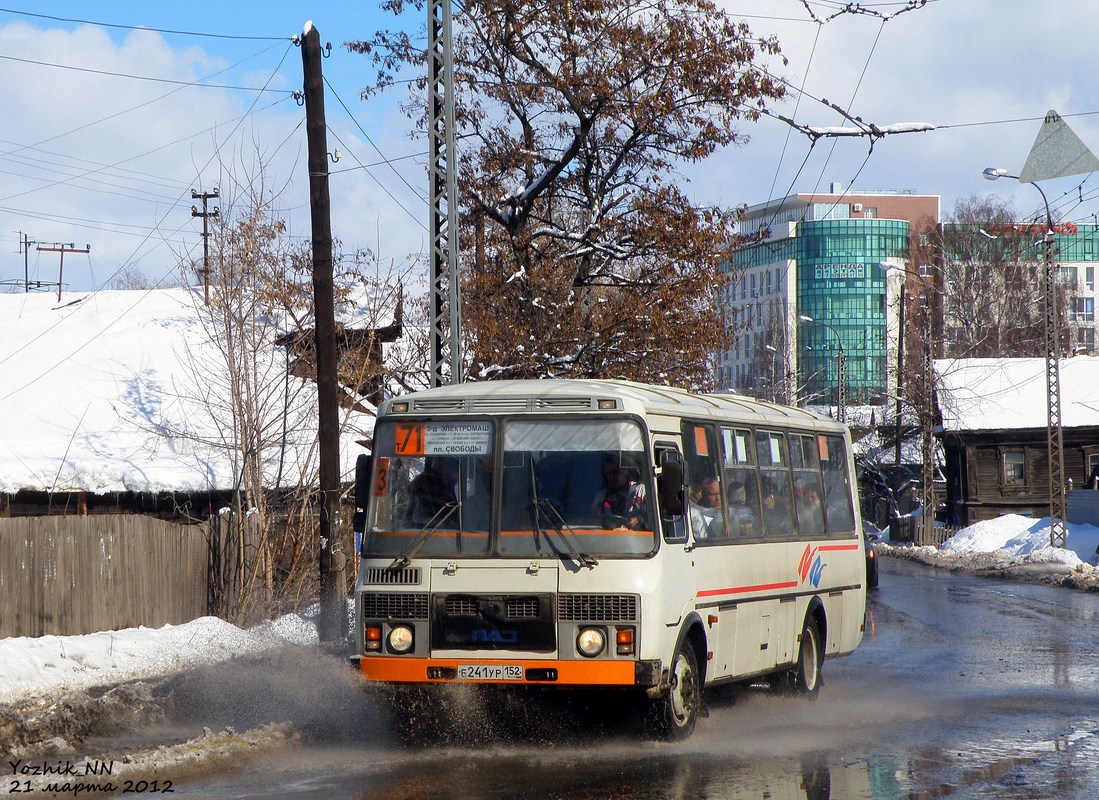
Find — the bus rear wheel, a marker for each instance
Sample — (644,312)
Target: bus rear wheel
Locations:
(674,715)
(804,678)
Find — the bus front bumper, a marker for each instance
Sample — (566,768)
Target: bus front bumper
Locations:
(641,674)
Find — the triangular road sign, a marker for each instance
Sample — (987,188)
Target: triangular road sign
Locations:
(1057,153)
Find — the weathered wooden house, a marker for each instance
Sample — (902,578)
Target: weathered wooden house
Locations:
(994,433)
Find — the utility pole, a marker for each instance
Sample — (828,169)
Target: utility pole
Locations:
(25,242)
(927,420)
(332,622)
(900,371)
(446,309)
(62,249)
(205,196)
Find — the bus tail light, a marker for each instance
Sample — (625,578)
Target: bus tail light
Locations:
(623,639)
(372,637)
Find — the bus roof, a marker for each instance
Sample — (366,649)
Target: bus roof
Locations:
(578,395)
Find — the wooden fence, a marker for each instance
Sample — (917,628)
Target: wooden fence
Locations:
(70,575)
(909,529)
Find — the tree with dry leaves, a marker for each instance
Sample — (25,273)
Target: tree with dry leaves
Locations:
(582,253)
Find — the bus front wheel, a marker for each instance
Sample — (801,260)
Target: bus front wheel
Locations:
(674,715)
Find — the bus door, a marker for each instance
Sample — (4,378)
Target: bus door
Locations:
(677,556)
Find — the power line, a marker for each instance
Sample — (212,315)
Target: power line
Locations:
(140,27)
(171,81)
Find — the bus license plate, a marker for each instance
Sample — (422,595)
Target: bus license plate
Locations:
(490,672)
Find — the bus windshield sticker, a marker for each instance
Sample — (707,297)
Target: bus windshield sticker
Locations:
(776,450)
(443,438)
(701,447)
(457,438)
(410,439)
(379,487)
(823,444)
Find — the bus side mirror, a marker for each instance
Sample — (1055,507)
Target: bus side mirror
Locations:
(671,484)
(364,473)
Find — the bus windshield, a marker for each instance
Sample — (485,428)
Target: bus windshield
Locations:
(575,489)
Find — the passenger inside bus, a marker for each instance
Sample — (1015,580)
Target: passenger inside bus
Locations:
(745,519)
(776,512)
(705,509)
(621,502)
(810,513)
(432,490)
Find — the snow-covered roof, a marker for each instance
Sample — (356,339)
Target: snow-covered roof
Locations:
(124,391)
(1011,393)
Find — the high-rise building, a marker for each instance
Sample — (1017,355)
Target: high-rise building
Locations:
(809,294)
(993,286)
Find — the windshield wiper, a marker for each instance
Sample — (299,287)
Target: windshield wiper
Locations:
(445,512)
(564,532)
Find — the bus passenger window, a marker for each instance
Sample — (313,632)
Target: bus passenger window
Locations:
(742,504)
(774,479)
(705,506)
(807,486)
(837,489)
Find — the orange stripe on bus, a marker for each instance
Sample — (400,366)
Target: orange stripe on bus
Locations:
(831,547)
(569,673)
(437,534)
(588,532)
(741,589)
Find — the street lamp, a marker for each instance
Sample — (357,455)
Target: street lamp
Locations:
(1054,439)
(900,351)
(841,377)
(778,387)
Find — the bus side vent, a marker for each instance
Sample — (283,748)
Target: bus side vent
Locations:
(598,608)
(498,404)
(409,576)
(456,404)
(393,605)
(565,402)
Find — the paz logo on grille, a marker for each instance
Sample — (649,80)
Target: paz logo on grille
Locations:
(494,635)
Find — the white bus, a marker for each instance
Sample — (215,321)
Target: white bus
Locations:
(584,533)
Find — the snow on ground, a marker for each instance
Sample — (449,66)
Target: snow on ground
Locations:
(34,666)
(1015,546)
(55,664)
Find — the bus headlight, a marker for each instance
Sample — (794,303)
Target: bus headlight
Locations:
(591,641)
(399,639)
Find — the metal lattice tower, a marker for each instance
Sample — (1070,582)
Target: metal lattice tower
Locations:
(1054,441)
(446,323)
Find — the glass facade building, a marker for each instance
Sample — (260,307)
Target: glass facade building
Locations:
(841,286)
(820,257)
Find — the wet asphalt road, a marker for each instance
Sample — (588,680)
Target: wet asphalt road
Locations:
(963,687)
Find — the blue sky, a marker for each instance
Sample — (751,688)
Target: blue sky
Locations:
(94,157)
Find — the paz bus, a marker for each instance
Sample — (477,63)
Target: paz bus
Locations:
(610,534)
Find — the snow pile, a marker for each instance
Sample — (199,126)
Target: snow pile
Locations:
(1025,537)
(1014,546)
(48,663)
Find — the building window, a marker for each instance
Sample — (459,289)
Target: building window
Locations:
(1014,468)
(1083,309)
(869,212)
(1066,276)
(1089,278)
